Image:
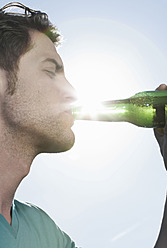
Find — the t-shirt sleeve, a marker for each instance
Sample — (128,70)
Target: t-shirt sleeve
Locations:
(54,234)
(68,243)
(43,228)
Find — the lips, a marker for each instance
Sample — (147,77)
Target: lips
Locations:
(70,116)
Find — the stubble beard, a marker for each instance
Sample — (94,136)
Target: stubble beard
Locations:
(41,134)
(46,135)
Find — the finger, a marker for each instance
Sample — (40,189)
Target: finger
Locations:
(162,87)
(160,130)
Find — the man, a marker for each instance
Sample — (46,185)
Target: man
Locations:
(35,117)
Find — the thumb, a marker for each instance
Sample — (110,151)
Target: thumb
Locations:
(162,87)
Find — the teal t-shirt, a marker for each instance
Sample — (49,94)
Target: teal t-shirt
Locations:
(31,228)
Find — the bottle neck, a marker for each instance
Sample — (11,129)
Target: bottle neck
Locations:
(107,111)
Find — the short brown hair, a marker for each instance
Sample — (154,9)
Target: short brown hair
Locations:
(15,37)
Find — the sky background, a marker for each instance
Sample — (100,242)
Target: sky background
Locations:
(109,189)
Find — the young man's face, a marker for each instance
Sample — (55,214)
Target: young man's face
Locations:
(40,105)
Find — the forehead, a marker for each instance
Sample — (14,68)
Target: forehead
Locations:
(42,47)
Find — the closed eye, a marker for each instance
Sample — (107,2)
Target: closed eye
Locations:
(58,67)
(51,73)
(52,67)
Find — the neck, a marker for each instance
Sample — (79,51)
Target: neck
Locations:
(16,159)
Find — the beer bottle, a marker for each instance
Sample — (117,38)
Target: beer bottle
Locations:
(144,109)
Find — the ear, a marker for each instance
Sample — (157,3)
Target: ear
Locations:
(3,82)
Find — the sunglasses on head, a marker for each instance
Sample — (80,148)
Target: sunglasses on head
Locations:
(28,13)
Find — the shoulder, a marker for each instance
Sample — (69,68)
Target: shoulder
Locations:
(19,205)
(40,220)
(30,210)
(35,216)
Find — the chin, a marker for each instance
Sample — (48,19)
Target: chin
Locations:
(62,145)
(64,148)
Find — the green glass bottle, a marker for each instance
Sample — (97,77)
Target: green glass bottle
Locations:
(144,109)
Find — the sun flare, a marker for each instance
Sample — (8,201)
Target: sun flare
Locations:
(109,66)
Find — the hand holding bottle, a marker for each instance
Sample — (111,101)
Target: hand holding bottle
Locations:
(161,134)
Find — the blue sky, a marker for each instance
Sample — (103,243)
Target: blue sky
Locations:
(109,190)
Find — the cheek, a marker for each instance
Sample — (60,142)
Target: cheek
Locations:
(38,84)
(39,92)
(35,99)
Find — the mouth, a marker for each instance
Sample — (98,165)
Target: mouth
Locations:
(68,109)
(70,116)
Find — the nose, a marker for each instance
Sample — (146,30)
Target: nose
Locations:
(70,94)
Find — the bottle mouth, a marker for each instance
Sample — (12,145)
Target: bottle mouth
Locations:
(99,111)
(87,111)
(75,109)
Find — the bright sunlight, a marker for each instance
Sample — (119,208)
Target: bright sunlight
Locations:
(102,67)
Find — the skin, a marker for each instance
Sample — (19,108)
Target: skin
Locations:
(162,137)
(36,118)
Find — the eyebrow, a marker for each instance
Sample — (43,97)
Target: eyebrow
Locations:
(59,67)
